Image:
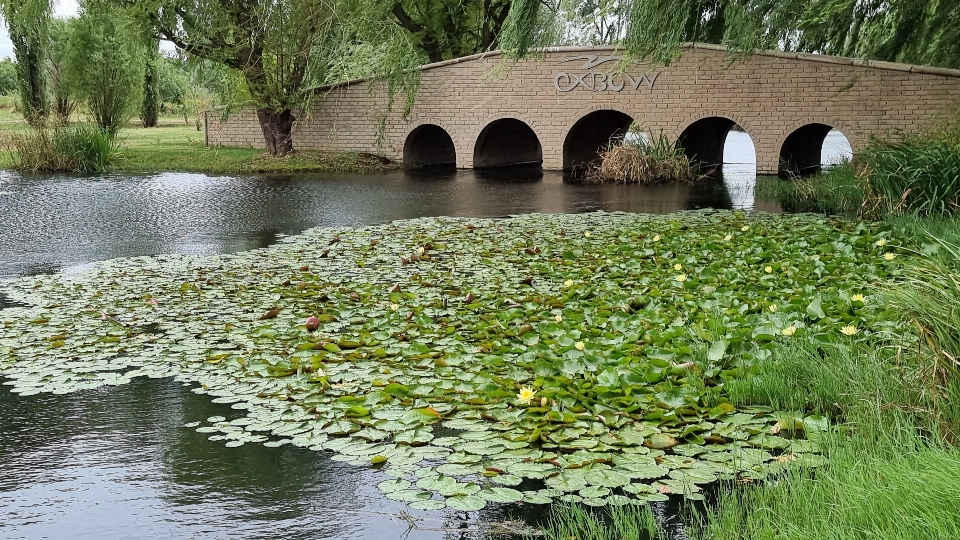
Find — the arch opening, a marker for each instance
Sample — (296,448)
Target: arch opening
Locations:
(592,134)
(703,141)
(812,147)
(428,145)
(505,142)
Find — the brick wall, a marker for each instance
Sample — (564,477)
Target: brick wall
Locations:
(770,95)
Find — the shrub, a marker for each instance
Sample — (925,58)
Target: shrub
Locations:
(79,148)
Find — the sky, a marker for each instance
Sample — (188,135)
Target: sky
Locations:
(61,8)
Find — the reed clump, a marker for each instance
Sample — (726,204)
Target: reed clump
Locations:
(78,148)
(645,160)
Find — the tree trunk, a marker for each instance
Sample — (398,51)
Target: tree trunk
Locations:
(277,130)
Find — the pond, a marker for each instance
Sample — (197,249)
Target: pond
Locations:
(117,462)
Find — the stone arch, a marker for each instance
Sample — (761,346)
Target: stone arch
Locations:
(428,144)
(703,136)
(800,145)
(591,131)
(506,140)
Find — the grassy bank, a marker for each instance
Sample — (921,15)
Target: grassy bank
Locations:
(176,146)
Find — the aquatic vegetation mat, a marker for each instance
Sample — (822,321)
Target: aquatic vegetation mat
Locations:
(535,358)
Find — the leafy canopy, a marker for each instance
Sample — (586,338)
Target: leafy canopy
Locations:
(913,31)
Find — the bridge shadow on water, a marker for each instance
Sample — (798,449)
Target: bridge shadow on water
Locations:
(528,188)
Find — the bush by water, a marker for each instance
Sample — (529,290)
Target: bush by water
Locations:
(76,148)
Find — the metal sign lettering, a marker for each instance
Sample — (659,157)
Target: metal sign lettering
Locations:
(599,81)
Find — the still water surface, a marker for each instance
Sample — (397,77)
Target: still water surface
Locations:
(117,463)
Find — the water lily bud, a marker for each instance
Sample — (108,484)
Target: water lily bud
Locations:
(558,317)
(543,402)
(312,323)
(579,345)
(656,238)
(587,234)
(394,307)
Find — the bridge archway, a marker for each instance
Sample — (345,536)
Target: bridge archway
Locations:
(428,145)
(704,139)
(507,141)
(591,134)
(803,151)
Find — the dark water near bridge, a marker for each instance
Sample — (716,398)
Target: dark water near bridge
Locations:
(117,463)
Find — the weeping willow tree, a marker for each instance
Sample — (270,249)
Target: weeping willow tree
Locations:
(446,29)
(150,105)
(913,31)
(28,22)
(280,48)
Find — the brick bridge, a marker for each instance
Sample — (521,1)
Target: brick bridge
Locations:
(480,111)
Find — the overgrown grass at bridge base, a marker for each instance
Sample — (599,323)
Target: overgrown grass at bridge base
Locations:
(171,146)
(900,176)
(644,160)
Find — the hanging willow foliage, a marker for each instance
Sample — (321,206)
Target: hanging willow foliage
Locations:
(912,31)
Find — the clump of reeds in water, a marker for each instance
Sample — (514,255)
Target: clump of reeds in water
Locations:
(76,148)
(643,160)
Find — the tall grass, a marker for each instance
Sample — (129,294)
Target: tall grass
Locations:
(838,191)
(909,495)
(917,176)
(78,148)
(893,473)
(644,160)
(576,522)
(929,297)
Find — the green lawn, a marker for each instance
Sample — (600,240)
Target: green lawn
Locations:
(178,146)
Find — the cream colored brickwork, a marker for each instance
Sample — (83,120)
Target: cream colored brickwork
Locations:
(770,95)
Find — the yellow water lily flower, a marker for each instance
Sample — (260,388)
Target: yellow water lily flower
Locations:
(881,242)
(773,308)
(856,298)
(789,331)
(578,345)
(568,283)
(744,228)
(727,238)
(849,330)
(525,395)
(587,234)
(889,256)
(768,269)
(656,238)
(681,278)
(678,267)
(394,307)
(558,317)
